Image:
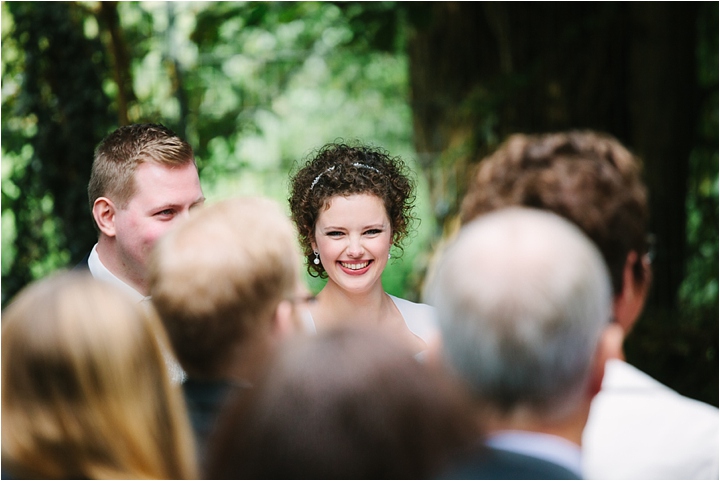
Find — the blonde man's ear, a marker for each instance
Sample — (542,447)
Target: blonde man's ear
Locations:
(104,214)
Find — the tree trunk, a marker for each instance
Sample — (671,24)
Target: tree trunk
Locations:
(120,59)
(663,109)
(481,71)
(62,97)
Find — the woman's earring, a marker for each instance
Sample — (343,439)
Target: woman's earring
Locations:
(389,255)
(317,258)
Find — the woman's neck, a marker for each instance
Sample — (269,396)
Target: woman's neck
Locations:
(336,307)
(375,309)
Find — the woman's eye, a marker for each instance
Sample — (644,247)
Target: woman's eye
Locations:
(334,233)
(165,212)
(373,232)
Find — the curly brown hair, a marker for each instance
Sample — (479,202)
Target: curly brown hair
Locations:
(587,177)
(342,169)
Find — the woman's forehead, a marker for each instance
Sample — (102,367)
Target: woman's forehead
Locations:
(353,208)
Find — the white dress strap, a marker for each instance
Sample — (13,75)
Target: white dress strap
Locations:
(419,318)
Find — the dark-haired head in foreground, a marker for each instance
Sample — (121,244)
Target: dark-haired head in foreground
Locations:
(347,404)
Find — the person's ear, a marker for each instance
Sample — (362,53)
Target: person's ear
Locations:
(104,214)
(609,347)
(629,302)
(284,322)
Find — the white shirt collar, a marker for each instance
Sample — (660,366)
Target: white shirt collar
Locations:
(540,445)
(99,271)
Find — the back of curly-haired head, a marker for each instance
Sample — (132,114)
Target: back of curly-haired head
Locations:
(339,169)
(587,177)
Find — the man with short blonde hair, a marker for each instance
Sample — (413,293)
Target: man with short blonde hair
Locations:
(143,180)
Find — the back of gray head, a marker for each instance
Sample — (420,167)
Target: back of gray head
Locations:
(522,298)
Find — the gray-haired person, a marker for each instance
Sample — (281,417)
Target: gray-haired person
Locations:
(524,304)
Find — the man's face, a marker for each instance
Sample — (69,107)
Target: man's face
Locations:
(163,195)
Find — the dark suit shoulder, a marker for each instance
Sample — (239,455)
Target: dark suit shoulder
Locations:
(205,400)
(492,463)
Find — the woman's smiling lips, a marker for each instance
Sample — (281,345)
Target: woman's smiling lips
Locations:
(355,268)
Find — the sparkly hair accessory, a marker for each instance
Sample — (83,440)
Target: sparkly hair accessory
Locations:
(315,181)
(356,164)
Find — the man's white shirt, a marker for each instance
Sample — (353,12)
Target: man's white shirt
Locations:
(99,271)
(641,429)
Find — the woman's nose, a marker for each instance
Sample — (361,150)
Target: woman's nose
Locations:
(355,249)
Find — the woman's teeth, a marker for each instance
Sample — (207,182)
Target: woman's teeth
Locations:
(355,267)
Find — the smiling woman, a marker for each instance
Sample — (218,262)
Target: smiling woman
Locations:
(351,205)
(352,238)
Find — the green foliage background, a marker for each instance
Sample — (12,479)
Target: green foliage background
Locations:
(255,87)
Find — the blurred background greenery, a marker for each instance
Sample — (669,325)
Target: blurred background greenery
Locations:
(256,86)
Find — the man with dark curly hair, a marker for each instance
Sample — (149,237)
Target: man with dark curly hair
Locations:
(351,205)
(593,181)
